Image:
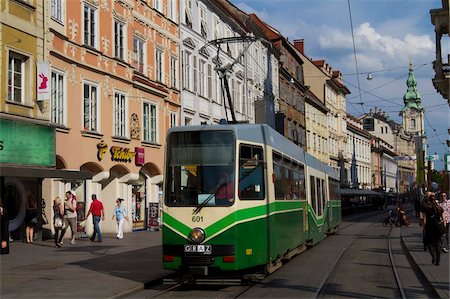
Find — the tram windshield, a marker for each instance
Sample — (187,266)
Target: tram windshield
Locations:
(200,169)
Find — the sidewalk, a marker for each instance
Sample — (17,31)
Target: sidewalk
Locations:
(438,276)
(82,270)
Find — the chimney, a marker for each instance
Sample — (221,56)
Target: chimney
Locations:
(300,45)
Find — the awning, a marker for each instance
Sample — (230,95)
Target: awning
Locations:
(359,192)
(36,172)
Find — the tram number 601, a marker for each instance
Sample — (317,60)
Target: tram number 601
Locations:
(197,218)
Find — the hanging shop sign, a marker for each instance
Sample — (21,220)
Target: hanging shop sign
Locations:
(140,156)
(42,80)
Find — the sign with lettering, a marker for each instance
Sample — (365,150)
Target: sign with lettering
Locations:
(27,143)
(43,80)
(140,156)
(102,147)
(121,154)
(432,157)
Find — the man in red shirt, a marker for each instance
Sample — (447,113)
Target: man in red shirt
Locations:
(97,211)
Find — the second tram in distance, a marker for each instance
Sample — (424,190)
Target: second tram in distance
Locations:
(239,199)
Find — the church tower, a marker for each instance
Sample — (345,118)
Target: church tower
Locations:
(413,112)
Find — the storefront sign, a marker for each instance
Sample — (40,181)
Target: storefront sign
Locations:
(140,156)
(153,215)
(121,154)
(43,80)
(27,144)
(102,148)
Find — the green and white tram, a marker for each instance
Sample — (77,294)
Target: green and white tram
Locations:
(241,198)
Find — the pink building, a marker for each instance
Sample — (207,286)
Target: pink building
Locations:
(115,93)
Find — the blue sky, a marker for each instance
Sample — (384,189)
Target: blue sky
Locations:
(388,34)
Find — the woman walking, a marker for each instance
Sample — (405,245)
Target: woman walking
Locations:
(30,218)
(120,214)
(433,216)
(58,220)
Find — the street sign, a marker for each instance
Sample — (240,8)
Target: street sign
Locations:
(432,157)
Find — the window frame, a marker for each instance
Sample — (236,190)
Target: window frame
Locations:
(138,54)
(173,71)
(62,101)
(159,65)
(123,122)
(92,33)
(148,134)
(57,11)
(96,117)
(119,50)
(24,73)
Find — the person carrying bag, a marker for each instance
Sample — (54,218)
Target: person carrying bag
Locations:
(58,221)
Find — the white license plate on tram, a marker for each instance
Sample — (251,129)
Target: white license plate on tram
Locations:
(203,249)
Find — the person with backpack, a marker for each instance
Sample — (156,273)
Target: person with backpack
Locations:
(70,216)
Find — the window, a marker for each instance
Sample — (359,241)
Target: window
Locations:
(173,71)
(216,28)
(138,54)
(173,119)
(119,115)
(413,123)
(150,122)
(57,98)
(159,65)
(203,26)
(187,71)
(90,20)
(195,69)
(157,5)
(312,184)
(57,10)
(202,75)
(172,13)
(251,173)
(188,13)
(90,101)
(210,84)
(16,77)
(119,39)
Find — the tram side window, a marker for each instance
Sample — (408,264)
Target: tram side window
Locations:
(278,172)
(299,183)
(319,196)
(251,173)
(312,184)
(324,195)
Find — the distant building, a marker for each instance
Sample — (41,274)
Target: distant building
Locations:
(358,175)
(384,166)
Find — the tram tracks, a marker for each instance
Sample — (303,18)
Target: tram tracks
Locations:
(401,263)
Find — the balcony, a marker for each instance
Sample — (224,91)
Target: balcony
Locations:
(440,20)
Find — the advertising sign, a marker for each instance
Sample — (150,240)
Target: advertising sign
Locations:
(432,157)
(27,144)
(43,80)
(140,156)
(153,215)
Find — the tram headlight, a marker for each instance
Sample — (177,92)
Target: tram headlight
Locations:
(197,235)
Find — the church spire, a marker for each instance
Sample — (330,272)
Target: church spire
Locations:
(412,97)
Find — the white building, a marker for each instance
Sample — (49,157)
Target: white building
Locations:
(358,148)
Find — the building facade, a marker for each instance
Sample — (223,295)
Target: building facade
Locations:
(202,93)
(384,167)
(358,175)
(114,94)
(440,20)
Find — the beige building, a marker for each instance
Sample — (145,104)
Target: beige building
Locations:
(114,94)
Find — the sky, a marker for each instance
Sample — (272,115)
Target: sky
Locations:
(388,34)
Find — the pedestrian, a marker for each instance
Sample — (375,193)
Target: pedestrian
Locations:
(70,216)
(445,205)
(4,229)
(98,213)
(30,218)
(120,214)
(432,215)
(58,221)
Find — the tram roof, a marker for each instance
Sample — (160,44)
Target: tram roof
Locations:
(263,133)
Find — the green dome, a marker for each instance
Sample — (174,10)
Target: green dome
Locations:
(412,97)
